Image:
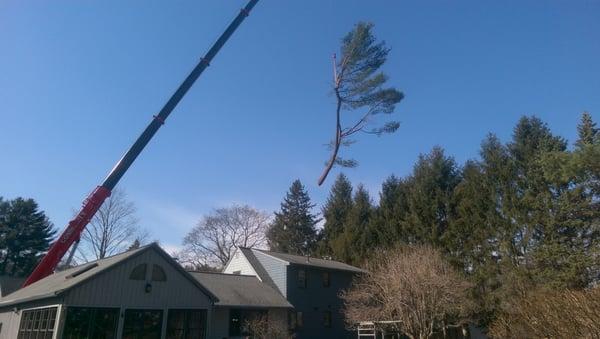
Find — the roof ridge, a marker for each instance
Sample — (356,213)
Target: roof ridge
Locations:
(298,255)
(297,259)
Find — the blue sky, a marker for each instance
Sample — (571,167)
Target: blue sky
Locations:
(79,80)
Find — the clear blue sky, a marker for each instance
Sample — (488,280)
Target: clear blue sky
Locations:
(79,80)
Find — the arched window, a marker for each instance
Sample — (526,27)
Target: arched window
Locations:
(138,273)
(158,274)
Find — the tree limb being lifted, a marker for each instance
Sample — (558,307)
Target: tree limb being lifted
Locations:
(359,86)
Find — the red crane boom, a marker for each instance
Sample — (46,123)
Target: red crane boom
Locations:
(93,202)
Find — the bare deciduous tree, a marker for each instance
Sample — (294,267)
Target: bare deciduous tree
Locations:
(412,285)
(214,239)
(265,327)
(550,314)
(113,229)
(358,85)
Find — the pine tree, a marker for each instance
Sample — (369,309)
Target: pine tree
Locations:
(335,212)
(25,234)
(354,243)
(434,177)
(388,223)
(587,131)
(359,221)
(532,140)
(359,87)
(293,230)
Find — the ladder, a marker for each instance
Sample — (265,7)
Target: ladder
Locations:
(367,330)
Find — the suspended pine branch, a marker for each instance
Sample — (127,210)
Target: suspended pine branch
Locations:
(359,86)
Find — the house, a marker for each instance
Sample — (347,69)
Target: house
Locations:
(141,293)
(310,285)
(145,293)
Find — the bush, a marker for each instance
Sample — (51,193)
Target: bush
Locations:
(412,285)
(551,314)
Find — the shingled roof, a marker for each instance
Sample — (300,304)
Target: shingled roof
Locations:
(258,267)
(59,282)
(313,262)
(235,290)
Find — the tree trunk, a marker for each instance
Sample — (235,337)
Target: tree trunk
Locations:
(338,140)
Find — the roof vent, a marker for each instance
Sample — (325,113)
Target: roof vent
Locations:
(82,271)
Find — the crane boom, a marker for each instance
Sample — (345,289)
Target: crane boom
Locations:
(93,202)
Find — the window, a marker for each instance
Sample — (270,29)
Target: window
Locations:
(82,270)
(37,323)
(142,324)
(299,319)
(302,278)
(326,279)
(327,319)
(292,320)
(85,322)
(237,272)
(235,323)
(158,274)
(186,324)
(138,273)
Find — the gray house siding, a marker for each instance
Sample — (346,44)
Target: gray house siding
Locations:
(277,270)
(113,288)
(315,300)
(220,323)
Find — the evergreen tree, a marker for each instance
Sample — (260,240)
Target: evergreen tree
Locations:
(25,234)
(388,223)
(293,230)
(356,240)
(532,139)
(587,131)
(429,199)
(335,212)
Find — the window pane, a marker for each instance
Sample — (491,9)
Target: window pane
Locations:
(292,320)
(77,322)
(92,323)
(44,320)
(104,323)
(158,274)
(235,322)
(142,324)
(138,273)
(327,319)
(176,324)
(186,324)
(301,278)
(326,279)
(52,318)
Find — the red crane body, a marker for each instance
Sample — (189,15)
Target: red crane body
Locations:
(93,202)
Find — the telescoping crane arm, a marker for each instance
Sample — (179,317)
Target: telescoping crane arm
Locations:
(93,202)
